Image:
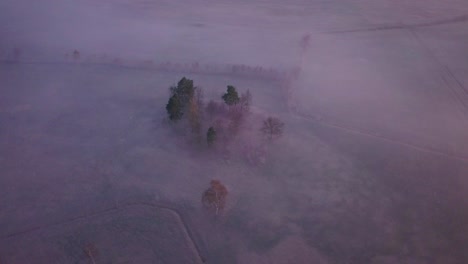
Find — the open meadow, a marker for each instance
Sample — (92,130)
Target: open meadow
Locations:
(372,165)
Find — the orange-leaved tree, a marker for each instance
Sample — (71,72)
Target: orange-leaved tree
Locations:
(214,198)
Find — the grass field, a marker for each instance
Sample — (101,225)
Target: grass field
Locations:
(142,234)
(371,168)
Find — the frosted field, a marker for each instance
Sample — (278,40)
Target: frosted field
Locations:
(372,167)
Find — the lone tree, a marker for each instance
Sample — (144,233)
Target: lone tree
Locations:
(214,198)
(174,108)
(272,128)
(211,136)
(231,97)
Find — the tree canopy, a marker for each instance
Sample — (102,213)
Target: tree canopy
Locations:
(184,90)
(181,95)
(231,97)
(174,108)
(214,198)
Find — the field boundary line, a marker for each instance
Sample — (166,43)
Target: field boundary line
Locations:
(121,206)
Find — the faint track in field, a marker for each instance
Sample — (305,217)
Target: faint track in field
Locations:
(183,221)
(382,138)
(445,70)
(292,109)
(459,92)
(453,20)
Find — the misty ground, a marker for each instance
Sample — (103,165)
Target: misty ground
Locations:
(371,168)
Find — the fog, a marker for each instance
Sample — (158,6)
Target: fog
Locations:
(372,165)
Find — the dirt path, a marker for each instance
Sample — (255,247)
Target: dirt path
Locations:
(183,221)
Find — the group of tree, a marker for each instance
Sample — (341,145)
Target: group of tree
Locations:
(186,101)
(232,99)
(222,120)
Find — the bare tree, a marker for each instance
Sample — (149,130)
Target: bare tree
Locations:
(272,127)
(214,198)
(200,96)
(211,108)
(245,101)
(236,118)
(194,116)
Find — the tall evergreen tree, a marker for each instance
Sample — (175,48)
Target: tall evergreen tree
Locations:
(184,90)
(181,96)
(231,97)
(174,108)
